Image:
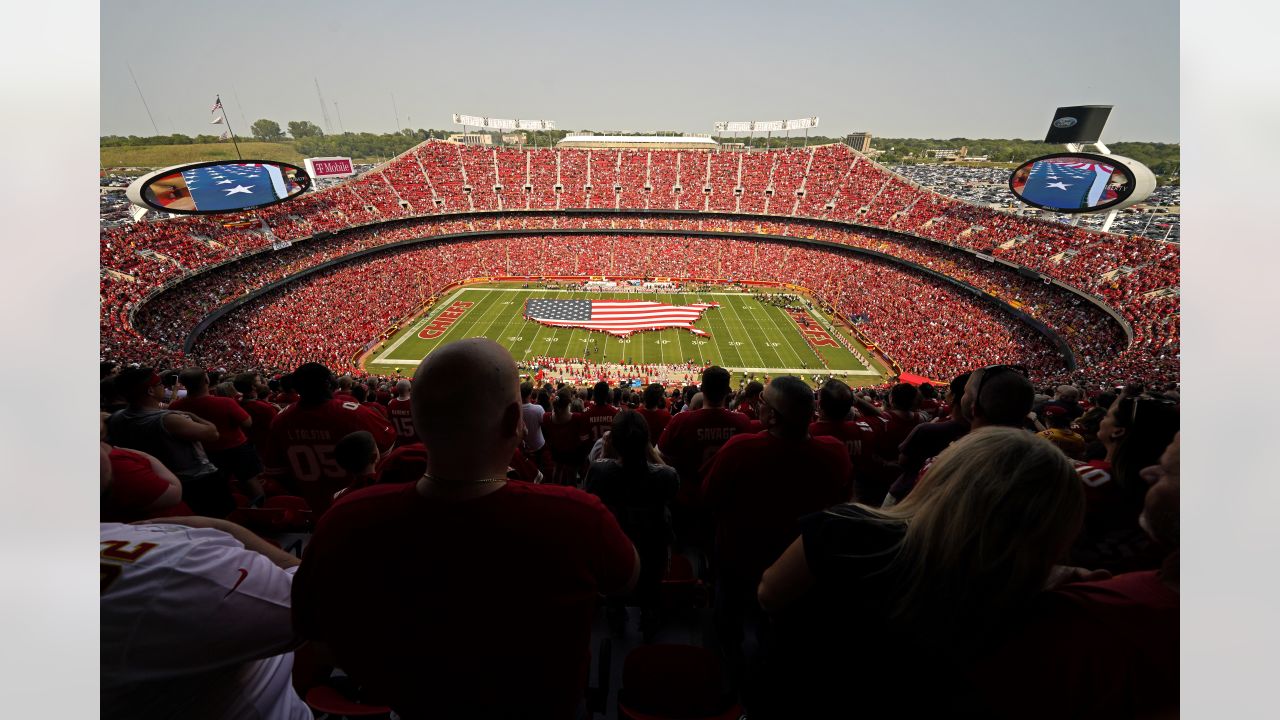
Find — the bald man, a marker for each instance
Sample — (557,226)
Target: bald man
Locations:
(400,410)
(464,594)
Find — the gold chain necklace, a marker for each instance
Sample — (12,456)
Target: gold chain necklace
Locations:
(460,483)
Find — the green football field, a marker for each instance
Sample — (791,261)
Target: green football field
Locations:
(745,335)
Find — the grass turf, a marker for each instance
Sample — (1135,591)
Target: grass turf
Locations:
(746,336)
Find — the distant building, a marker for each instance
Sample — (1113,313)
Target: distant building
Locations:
(860,141)
(515,139)
(947,154)
(472,138)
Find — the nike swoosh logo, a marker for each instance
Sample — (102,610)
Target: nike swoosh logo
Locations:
(243,574)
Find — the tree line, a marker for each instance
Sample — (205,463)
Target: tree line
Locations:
(309,139)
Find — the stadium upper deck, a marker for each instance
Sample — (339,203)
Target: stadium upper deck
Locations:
(831,183)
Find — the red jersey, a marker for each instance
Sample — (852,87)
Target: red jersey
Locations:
(748,409)
(600,419)
(376,407)
(302,442)
(413,595)
(1095,649)
(568,444)
(897,426)
(262,414)
(400,413)
(759,485)
(134,486)
(657,419)
(692,437)
(225,413)
(857,437)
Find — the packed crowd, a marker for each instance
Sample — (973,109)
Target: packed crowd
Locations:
(318,317)
(1095,339)
(989,547)
(1135,275)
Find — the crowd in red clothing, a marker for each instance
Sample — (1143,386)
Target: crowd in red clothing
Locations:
(318,317)
(1138,277)
(695,474)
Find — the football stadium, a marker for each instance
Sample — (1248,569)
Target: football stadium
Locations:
(522,422)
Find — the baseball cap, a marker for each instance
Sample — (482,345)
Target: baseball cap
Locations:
(1054,411)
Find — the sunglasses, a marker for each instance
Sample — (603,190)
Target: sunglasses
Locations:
(1146,401)
(993,370)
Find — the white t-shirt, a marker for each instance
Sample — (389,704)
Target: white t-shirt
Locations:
(194,626)
(533,440)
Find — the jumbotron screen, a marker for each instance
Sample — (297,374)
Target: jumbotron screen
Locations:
(1071,183)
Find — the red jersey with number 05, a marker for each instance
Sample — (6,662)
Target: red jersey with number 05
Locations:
(302,442)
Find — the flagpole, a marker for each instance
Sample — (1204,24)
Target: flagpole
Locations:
(218,100)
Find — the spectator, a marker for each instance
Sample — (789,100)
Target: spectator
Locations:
(1058,432)
(835,401)
(759,485)
(357,455)
(174,438)
(1101,648)
(400,409)
(372,580)
(252,391)
(1066,397)
(136,486)
(1135,430)
(534,444)
(920,589)
(567,437)
(638,489)
(653,411)
(749,404)
(304,435)
(600,414)
(231,451)
(926,440)
(195,622)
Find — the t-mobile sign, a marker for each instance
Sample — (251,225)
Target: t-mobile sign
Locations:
(322,167)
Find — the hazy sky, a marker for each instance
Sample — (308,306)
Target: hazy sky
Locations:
(905,68)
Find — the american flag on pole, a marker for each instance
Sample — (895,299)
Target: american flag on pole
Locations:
(217,103)
(616,317)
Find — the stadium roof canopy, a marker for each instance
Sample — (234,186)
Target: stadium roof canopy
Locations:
(637,141)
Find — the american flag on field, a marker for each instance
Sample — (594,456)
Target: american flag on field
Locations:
(617,317)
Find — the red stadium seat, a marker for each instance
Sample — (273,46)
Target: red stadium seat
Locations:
(665,682)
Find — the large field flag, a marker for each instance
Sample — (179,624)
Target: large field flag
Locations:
(617,317)
(228,186)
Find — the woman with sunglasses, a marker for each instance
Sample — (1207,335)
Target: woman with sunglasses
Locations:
(1135,431)
(900,600)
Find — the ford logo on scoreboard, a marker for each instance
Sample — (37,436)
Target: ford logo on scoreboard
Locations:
(1064,122)
(325,167)
(1082,182)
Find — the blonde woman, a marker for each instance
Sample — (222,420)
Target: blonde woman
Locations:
(892,603)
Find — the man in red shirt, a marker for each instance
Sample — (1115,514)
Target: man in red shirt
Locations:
(653,411)
(303,437)
(758,486)
(400,409)
(835,400)
(693,436)
(231,452)
(600,414)
(464,594)
(262,413)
